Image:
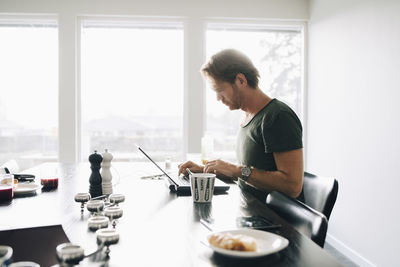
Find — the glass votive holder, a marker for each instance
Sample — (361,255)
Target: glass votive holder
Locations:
(107,237)
(82,198)
(116,198)
(8,179)
(113,213)
(5,255)
(69,253)
(24,264)
(49,183)
(49,171)
(98,222)
(6,193)
(95,205)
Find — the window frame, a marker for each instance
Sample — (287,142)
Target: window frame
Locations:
(36,21)
(194,31)
(118,22)
(270,25)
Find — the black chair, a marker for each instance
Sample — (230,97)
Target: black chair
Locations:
(320,193)
(304,219)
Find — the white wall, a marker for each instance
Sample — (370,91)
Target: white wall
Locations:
(193,12)
(279,9)
(354,122)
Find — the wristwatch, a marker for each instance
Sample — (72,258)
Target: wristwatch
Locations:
(246,171)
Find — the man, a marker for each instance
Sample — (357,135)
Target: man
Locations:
(269,144)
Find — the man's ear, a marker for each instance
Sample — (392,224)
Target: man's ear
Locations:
(241,79)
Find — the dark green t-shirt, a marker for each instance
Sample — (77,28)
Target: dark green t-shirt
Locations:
(275,128)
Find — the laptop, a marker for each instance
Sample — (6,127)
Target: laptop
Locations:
(181,184)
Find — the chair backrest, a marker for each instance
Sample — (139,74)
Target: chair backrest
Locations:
(304,219)
(320,192)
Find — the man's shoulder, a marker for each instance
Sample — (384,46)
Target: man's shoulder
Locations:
(279,106)
(272,109)
(274,106)
(275,110)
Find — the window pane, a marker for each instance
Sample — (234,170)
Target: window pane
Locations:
(277,55)
(29,93)
(132,91)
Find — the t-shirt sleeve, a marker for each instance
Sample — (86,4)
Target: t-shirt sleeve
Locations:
(283,134)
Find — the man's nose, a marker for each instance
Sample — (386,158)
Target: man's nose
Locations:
(219,97)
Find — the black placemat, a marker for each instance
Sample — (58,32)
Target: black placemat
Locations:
(36,244)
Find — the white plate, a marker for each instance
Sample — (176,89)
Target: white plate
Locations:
(267,243)
(26,188)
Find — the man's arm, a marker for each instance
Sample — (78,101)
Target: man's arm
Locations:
(288,178)
(190,165)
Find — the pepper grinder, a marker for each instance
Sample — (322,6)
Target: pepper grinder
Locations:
(95,188)
(106,173)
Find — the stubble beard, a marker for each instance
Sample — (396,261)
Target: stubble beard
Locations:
(236,98)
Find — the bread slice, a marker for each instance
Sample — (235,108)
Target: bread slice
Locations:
(233,242)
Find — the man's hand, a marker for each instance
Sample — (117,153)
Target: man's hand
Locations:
(193,167)
(222,169)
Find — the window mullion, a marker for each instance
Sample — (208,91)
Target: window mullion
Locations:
(194,95)
(68,149)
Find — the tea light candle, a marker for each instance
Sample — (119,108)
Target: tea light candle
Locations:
(98,222)
(117,198)
(95,205)
(70,253)
(6,192)
(50,183)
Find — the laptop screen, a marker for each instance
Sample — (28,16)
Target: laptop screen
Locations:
(164,172)
(177,185)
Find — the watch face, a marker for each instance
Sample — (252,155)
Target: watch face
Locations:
(246,171)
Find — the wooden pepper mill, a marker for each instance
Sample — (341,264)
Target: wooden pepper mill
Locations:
(106,175)
(95,188)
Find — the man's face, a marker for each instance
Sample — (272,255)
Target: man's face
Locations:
(226,93)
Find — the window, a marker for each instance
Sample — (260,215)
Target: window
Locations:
(131,77)
(132,88)
(29,91)
(277,54)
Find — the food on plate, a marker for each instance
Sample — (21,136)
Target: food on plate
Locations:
(10,181)
(229,241)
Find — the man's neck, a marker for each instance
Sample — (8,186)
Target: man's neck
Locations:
(254,101)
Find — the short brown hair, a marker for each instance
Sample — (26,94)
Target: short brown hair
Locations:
(226,64)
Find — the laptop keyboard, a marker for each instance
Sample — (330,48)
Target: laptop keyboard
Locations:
(183,180)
